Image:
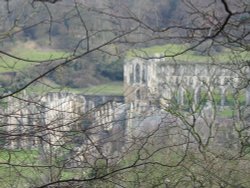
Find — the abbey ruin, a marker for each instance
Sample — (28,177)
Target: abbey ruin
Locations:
(152,88)
(194,95)
(158,78)
(31,120)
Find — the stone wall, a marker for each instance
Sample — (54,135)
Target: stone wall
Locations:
(164,94)
(30,120)
(148,80)
(153,89)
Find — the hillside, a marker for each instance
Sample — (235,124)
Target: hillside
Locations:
(29,35)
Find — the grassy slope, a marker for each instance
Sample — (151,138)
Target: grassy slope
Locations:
(189,56)
(20,168)
(8,64)
(112,88)
(30,52)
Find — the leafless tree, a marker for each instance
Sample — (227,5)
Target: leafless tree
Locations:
(185,119)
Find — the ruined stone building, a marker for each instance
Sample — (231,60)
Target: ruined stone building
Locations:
(57,118)
(150,80)
(152,90)
(207,97)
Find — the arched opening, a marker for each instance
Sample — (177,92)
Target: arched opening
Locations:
(204,96)
(137,73)
(144,76)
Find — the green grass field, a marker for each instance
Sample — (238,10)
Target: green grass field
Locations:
(177,51)
(25,168)
(112,88)
(31,52)
(31,55)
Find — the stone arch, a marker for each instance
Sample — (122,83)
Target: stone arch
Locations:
(204,96)
(216,96)
(223,90)
(137,73)
(229,96)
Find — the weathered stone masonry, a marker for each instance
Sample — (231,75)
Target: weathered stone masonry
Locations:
(149,87)
(32,119)
(147,79)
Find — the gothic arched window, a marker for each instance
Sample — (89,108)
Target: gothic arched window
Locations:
(137,73)
(144,76)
